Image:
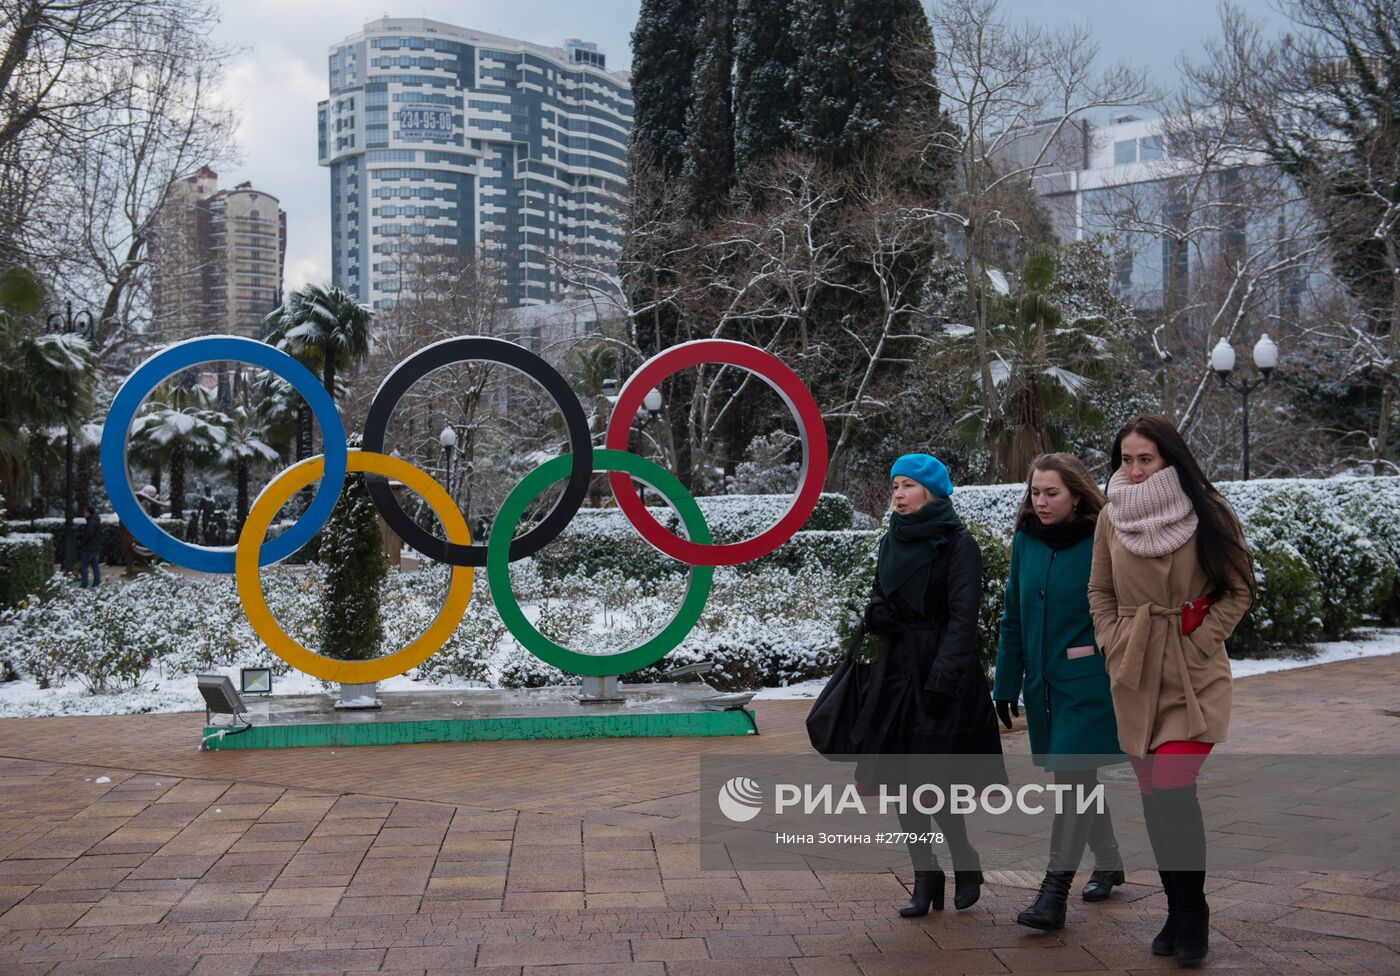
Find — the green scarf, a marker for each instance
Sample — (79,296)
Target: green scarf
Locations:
(909,549)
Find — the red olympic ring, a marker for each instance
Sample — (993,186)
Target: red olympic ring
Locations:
(785,383)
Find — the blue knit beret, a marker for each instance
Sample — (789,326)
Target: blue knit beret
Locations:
(927,470)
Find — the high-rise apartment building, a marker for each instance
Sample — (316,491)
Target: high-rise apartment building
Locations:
(216,258)
(446,145)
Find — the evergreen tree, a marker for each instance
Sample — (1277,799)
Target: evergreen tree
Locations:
(849,89)
(663,60)
(709,162)
(352,551)
(765,87)
(663,63)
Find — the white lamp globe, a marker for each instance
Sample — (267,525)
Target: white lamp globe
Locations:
(1222,357)
(448,438)
(1265,353)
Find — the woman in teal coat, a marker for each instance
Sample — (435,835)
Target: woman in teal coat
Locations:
(1047,652)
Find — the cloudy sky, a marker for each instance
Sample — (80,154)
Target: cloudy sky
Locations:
(279,73)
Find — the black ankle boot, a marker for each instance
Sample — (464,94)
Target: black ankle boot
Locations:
(967,888)
(1048,910)
(1100,884)
(928,890)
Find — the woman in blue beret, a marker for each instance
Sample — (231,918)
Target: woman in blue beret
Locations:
(932,702)
(1047,650)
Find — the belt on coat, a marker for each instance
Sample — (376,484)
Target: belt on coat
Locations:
(1129,673)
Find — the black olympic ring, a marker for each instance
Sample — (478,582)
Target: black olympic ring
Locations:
(479,349)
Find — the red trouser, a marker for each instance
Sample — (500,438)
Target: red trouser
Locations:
(1170,765)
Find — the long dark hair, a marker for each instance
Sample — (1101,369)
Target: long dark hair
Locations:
(1219,539)
(1077,482)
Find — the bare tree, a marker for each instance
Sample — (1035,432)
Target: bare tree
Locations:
(1323,103)
(164,119)
(1015,96)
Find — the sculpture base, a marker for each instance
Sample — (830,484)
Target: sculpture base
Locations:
(649,710)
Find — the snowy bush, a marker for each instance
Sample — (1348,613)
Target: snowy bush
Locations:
(768,466)
(26,561)
(1289,608)
(1355,574)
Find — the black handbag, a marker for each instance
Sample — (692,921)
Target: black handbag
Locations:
(835,723)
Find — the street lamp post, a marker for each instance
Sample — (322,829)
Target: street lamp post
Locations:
(1222,360)
(448,440)
(646,416)
(69,323)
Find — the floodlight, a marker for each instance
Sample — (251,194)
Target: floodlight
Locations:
(256,681)
(220,697)
(697,669)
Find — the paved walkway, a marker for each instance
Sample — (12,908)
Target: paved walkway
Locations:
(571,858)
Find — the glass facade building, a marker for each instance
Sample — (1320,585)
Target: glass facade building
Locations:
(447,142)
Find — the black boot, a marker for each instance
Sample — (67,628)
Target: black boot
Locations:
(1164,942)
(967,866)
(1193,918)
(1067,838)
(1179,813)
(928,891)
(928,876)
(1048,910)
(967,888)
(1108,863)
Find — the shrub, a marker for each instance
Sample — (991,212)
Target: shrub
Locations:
(26,561)
(1290,605)
(996,567)
(1354,573)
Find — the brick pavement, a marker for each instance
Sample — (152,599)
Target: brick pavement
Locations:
(571,858)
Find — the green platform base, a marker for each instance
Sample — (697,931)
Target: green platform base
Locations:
(647,711)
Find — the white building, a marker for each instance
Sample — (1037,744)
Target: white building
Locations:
(443,140)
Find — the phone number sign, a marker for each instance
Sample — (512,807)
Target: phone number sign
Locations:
(425,122)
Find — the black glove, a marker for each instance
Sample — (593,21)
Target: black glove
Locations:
(880,618)
(1006,709)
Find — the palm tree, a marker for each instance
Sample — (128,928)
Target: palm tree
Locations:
(247,433)
(45,380)
(178,426)
(1044,366)
(324,325)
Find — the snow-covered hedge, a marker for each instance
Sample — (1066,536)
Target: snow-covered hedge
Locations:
(1326,554)
(995,505)
(602,540)
(111,540)
(26,561)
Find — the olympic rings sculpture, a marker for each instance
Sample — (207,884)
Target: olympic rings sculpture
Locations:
(243,560)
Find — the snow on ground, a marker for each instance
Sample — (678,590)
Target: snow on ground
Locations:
(181,694)
(1377,643)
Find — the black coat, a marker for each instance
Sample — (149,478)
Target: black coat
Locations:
(90,537)
(930,697)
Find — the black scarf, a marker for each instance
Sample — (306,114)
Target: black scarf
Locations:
(1060,535)
(909,549)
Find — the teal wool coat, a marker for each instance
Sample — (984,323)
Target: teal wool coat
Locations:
(1069,709)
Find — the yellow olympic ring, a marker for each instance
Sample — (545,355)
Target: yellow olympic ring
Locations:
(250,540)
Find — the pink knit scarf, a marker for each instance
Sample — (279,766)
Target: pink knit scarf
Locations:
(1153,518)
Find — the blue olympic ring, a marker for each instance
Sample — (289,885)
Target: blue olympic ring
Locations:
(182,355)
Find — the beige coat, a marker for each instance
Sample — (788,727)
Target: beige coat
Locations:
(1166,686)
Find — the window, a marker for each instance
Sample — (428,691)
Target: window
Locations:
(1125,152)
(1150,148)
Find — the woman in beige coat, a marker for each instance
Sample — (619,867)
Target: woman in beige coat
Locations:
(1168,550)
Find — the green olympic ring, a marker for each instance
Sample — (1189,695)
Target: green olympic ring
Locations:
(595,665)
